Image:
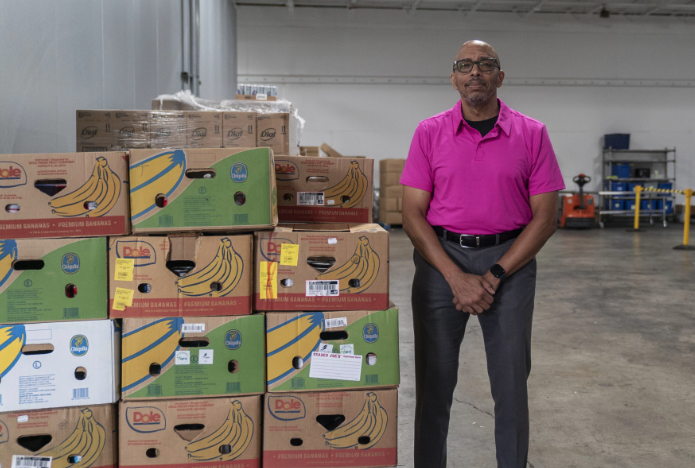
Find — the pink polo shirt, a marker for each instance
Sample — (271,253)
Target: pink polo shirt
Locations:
(481,185)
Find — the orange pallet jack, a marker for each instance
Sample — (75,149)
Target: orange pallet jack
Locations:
(578,209)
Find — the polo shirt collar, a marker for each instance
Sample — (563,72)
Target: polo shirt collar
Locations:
(504,120)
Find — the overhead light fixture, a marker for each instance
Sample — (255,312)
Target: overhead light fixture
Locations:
(604,13)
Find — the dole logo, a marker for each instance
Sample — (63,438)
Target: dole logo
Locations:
(126,132)
(145,419)
(199,133)
(142,252)
(271,248)
(286,408)
(11,174)
(286,170)
(235,134)
(89,132)
(268,134)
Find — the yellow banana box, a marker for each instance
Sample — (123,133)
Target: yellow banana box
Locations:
(322,267)
(340,429)
(192,357)
(81,436)
(180,276)
(64,195)
(309,351)
(46,280)
(202,190)
(56,364)
(210,433)
(324,190)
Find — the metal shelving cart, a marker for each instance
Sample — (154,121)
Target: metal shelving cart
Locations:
(661,165)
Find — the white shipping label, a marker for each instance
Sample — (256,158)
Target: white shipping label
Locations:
(322,288)
(325,348)
(330,202)
(193,328)
(338,322)
(310,198)
(183,358)
(347,349)
(332,240)
(20,461)
(23,418)
(335,366)
(205,356)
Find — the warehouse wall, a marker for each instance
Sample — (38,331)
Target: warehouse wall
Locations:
(643,81)
(218,49)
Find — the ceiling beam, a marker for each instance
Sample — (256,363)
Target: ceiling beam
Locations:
(474,8)
(414,6)
(535,8)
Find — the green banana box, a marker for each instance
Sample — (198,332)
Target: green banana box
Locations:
(64,195)
(180,276)
(202,190)
(324,190)
(83,436)
(357,428)
(49,280)
(192,357)
(308,351)
(318,267)
(210,433)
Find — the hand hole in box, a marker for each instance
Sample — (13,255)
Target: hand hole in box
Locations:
(371,359)
(321,179)
(225,449)
(155,369)
(36,349)
(354,283)
(20,265)
(297,362)
(286,283)
(201,173)
(296,442)
(70,291)
(74,458)
(335,335)
(215,286)
(180,267)
(197,342)
(345,198)
(90,205)
(233,366)
(239,198)
(320,264)
(80,373)
(363,440)
(189,432)
(50,186)
(152,453)
(12,208)
(160,200)
(330,421)
(34,443)
(144,288)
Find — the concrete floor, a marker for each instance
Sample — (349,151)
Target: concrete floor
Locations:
(613,378)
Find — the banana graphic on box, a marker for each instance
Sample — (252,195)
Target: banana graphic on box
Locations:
(350,191)
(12,340)
(8,254)
(87,440)
(369,425)
(155,342)
(236,432)
(363,266)
(224,271)
(102,188)
(158,174)
(299,336)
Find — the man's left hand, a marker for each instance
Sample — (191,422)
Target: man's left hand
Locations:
(490,278)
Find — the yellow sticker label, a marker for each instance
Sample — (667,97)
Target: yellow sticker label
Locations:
(123,298)
(289,254)
(124,269)
(268,280)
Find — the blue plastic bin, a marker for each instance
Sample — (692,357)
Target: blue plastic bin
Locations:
(617,205)
(631,186)
(669,206)
(658,204)
(618,186)
(616,141)
(630,205)
(646,205)
(621,171)
(666,185)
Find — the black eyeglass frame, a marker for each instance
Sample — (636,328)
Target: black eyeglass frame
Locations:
(474,63)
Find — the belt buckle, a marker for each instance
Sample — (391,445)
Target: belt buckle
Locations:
(477,241)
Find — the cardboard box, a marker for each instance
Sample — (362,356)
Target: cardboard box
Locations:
(204,129)
(131,129)
(390,204)
(391,165)
(255,97)
(239,129)
(94,131)
(272,131)
(324,190)
(192,357)
(167,129)
(48,280)
(338,429)
(311,151)
(389,178)
(88,432)
(357,280)
(92,199)
(168,433)
(330,152)
(353,349)
(240,197)
(391,191)
(391,217)
(181,275)
(55,364)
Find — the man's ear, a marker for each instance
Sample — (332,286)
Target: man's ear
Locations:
(500,79)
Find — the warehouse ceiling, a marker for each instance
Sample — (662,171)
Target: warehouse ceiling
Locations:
(644,8)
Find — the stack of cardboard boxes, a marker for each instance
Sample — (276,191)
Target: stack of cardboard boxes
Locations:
(390,191)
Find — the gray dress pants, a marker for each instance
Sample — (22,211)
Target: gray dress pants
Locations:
(439,330)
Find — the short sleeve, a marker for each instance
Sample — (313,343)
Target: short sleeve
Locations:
(418,172)
(545,172)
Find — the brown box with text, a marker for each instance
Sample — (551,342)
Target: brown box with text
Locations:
(239,129)
(94,131)
(272,131)
(167,129)
(204,129)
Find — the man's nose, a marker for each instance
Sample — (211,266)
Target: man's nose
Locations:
(475,71)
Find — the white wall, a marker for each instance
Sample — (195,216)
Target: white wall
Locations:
(218,64)
(317,46)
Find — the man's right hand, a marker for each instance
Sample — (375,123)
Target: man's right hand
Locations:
(472,293)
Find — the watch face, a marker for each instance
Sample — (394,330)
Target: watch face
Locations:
(497,271)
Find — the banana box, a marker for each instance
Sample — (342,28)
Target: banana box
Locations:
(340,429)
(82,436)
(322,267)
(47,280)
(64,195)
(210,433)
(332,350)
(56,364)
(200,189)
(324,190)
(180,276)
(192,357)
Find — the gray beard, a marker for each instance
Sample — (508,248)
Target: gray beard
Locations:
(479,100)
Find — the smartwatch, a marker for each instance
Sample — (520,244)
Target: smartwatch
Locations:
(498,272)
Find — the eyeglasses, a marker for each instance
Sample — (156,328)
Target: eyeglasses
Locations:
(466,66)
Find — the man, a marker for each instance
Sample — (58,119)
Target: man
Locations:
(479,202)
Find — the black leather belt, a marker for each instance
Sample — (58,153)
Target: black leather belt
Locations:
(465,240)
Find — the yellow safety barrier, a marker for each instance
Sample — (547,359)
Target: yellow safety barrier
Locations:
(686,225)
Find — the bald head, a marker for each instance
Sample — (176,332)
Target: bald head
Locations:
(476,47)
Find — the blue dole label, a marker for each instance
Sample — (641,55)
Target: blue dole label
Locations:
(239,173)
(232,340)
(286,408)
(70,263)
(79,345)
(370,333)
